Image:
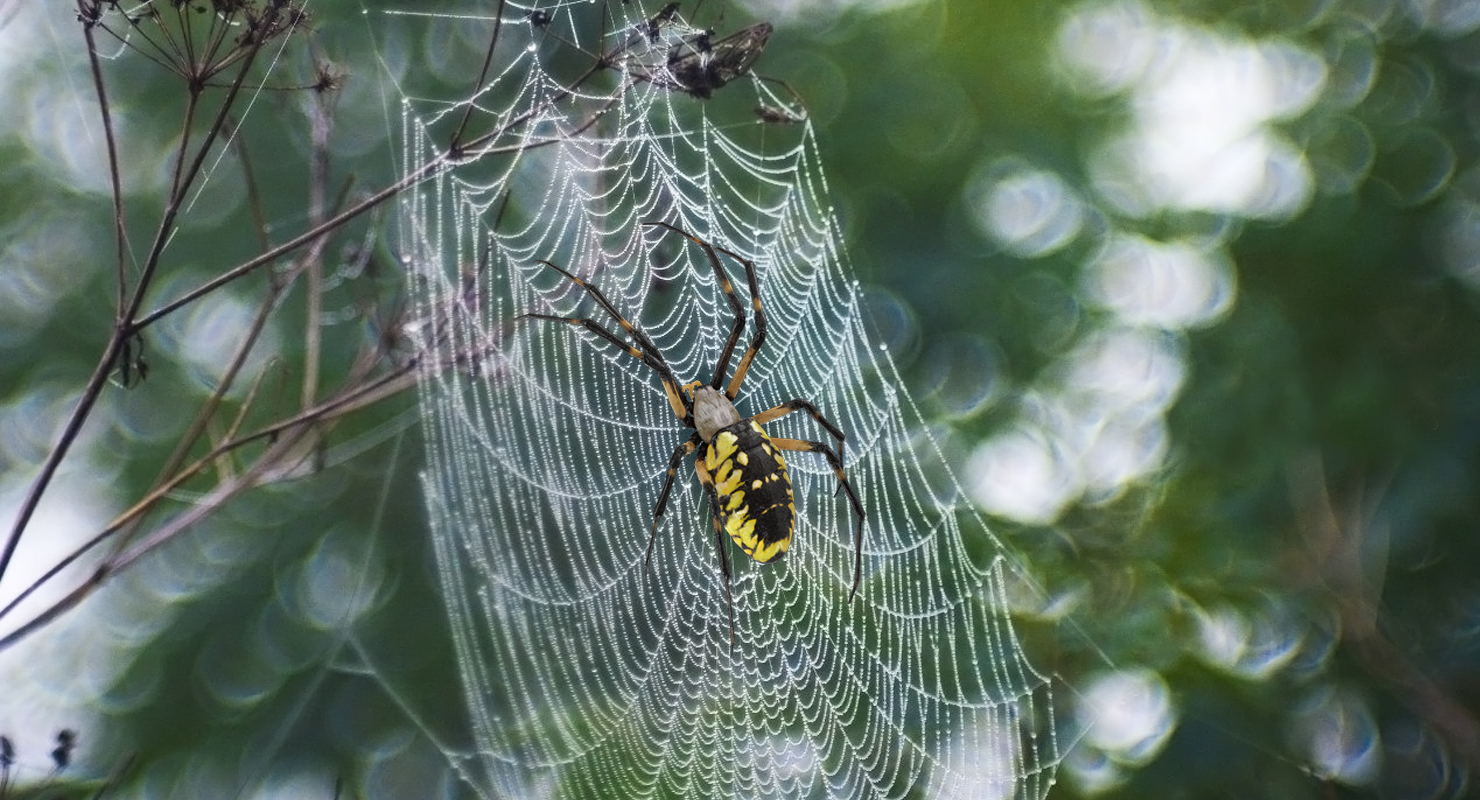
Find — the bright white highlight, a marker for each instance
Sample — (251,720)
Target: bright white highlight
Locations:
(1022,476)
(57,677)
(1167,286)
(1093,430)
(1339,734)
(1128,716)
(1129,713)
(1030,212)
(1248,645)
(1200,136)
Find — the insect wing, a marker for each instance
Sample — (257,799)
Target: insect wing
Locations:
(735,54)
(700,66)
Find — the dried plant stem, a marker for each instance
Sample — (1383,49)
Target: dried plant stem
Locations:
(296,437)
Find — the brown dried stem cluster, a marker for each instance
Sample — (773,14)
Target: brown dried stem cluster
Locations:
(218,49)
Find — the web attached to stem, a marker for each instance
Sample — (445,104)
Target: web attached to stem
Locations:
(586,673)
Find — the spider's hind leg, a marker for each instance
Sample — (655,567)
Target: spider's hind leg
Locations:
(707,481)
(679,452)
(789,406)
(836,463)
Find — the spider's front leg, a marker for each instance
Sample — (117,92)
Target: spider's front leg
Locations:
(643,350)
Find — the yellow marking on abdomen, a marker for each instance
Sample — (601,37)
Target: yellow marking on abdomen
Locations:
(771,552)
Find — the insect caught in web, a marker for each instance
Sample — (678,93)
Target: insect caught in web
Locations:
(778,116)
(695,63)
(699,65)
(739,466)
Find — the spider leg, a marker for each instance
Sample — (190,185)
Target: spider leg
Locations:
(760,326)
(804,405)
(837,465)
(646,351)
(724,568)
(707,481)
(795,95)
(679,452)
(738,326)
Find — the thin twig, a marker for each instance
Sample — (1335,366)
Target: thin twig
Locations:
(455,145)
(289,430)
(320,124)
(115,182)
(122,332)
(286,434)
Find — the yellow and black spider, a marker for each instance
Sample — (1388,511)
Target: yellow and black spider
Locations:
(740,467)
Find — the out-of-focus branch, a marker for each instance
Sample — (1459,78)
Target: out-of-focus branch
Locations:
(297,437)
(1342,535)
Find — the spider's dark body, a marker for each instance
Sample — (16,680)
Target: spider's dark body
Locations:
(756,505)
(738,464)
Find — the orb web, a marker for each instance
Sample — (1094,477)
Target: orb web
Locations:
(587,672)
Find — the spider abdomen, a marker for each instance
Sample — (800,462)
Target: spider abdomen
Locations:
(756,505)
